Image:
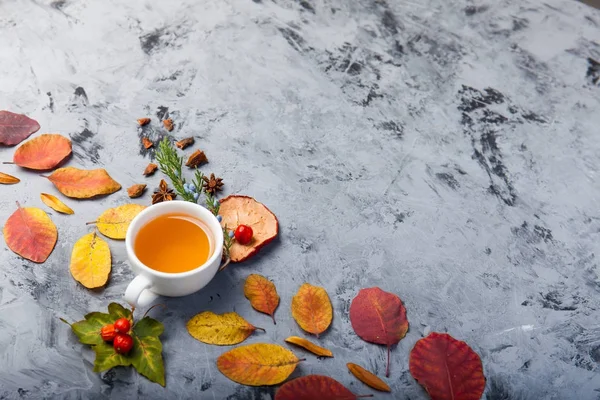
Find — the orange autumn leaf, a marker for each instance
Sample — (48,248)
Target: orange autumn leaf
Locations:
(54,203)
(447,368)
(262,294)
(258,364)
(379,317)
(43,152)
(7,179)
(315,387)
(30,233)
(310,346)
(368,378)
(311,308)
(83,184)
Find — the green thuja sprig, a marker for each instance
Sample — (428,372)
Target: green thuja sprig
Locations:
(171,165)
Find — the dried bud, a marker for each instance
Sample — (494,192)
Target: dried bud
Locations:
(147,143)
(136,190)
(143,121)
(150,169)
(196,159)
(168,123)
(183,143)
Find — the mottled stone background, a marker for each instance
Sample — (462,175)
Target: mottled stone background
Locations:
(444,150)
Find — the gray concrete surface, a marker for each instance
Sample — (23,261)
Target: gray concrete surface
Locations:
(446,151)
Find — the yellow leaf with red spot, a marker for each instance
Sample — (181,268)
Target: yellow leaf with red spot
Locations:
(43,152)
(311,308)
(258,364)
(30,233)
(223,330)
(262,294)
(83,184)
(90,261)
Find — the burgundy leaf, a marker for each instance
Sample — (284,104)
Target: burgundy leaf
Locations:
(14,128)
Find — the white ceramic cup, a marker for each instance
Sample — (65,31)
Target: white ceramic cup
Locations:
(149,283)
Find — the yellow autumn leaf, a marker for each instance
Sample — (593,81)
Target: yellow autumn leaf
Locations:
(90,261)
(7,179)
(224,329)
(310,346)
(311,308)
(258,364)
(54,203)
(114,222)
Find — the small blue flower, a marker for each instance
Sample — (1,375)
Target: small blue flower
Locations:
(195,196)
(219,218)
(193,188)
(231,234)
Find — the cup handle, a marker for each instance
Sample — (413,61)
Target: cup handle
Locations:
(137,293)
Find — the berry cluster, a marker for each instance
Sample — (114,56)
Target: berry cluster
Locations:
(118,333)
(191,189)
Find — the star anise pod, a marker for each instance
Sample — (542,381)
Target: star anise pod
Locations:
(212,184)
(163,193)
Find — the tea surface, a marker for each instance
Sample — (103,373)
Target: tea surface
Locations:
(173,243)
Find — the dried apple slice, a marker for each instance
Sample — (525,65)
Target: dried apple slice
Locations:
(237,210)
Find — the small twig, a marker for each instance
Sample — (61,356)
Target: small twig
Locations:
(65,321)
(226,264)
(90,223)
(150,309)
(261,329)
(387,370)
(8,162)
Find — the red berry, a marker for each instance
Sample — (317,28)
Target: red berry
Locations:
(122,325)
(108,332)
(243,234)
(122,343)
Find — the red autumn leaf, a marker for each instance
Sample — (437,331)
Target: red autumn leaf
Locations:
(448,368)
(30,233)
(379,317)
(14,128)
(43,152)
(312,387)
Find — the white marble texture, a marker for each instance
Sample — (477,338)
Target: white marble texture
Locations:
(444,150)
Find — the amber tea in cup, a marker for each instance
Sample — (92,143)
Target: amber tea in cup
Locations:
(173,243)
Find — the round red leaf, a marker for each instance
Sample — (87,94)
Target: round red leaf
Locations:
(312,387)
(447,368)
(379,317)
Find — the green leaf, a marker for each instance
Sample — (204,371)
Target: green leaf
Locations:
(88,330)
(107,357)
(146,357)
(118,311)
(148,327)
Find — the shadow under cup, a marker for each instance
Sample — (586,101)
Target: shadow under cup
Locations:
(167,275)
